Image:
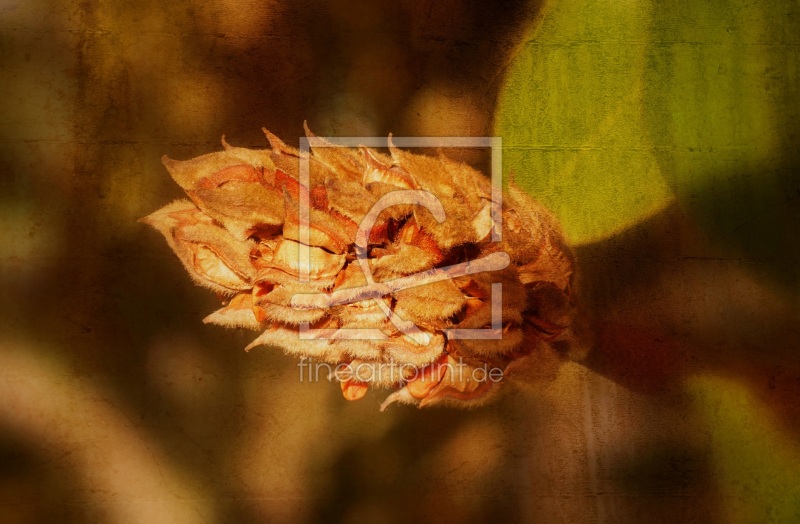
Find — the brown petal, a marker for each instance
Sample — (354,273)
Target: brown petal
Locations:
(466,180)
(554,265)
(287,159)
(344,162)
(428,172)
(236,173)
(209,264)
(271,303)
(288,339)
(513,295)
(288,185)
(447,381)
(278,146)
(533,239)
(242,206)
(403,350)
(403,259)
(366,314)
(171,215)
(319,198)
(288,315)
(483,223)
(279,336)
(431,302)
(512,339)
(461,384)
(350,277)
(188,173)
(427,378)
(457,228)
(211,256)
(411,233)
(324,230)
(320,264)
(354,390)
(203,237)
(350,198)
(377,171)
(401,396)
(260,158)
(549,309)
(277,274)
(238,313)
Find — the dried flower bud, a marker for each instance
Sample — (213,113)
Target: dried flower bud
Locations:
(386,265)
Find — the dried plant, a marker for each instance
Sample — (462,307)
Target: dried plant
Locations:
(384,273)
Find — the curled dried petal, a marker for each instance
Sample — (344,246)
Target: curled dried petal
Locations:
(272,302)
(482,223)
(354,390)
(242,206)
(188,173)
(428,378)
(319,264)
(415,352)
(211,256)
(324,230)
(429,303)
(238,313)
(393,175)
(465,383)
(342,161)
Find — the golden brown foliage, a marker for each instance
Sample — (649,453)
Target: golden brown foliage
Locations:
(387,288)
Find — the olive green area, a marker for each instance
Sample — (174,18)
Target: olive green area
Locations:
(571,120)
(757,464)
(614,107)
(614,110)
(723,115)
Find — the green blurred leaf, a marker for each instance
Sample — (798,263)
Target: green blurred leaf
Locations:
(615,106)
(723,113)
(757,465)
(571,118)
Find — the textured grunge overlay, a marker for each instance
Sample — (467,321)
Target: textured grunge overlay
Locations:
(403,271)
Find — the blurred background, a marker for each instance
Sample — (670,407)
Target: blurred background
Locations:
(664,135)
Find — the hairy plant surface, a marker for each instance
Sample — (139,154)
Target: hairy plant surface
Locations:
(385,267)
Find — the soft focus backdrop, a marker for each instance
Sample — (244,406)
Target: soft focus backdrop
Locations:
(664,135)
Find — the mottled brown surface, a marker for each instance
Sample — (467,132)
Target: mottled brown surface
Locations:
(120,406)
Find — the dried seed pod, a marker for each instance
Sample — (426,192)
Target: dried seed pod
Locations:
(408,295)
